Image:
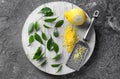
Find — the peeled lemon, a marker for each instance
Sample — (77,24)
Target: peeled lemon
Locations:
(76,16)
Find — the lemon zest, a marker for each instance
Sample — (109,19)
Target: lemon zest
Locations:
(70,38)
(79,53)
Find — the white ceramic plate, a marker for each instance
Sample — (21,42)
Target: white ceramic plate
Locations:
(59,8)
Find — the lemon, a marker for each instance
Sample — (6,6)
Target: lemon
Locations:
(76,16)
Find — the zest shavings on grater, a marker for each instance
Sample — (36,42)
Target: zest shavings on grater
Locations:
(77,58)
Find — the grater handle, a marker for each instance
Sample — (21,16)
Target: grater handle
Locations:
(95,15)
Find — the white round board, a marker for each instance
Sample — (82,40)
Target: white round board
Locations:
(58,8)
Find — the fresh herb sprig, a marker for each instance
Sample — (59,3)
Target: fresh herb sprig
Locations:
(55,33)
(55,65)
(43,63)
(37,26)
(30,28)
(44,36)
(50,19)
(59,66)
(31,39)
(38,54)
(59,23)
(46,11)
(56,47)
(38,38)
(57,57)
(51,45)
(46,26)
(33,26)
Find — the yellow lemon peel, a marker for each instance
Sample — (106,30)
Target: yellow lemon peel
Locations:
(76,16)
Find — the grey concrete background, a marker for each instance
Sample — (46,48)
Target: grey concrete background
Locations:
(104,63)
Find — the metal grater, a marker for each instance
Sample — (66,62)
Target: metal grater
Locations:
(71,61)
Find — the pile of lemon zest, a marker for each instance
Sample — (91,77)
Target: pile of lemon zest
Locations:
(70,38)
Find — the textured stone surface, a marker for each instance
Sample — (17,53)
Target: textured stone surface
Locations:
(104,63)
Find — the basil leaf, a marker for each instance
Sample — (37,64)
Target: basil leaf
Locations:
(45,10)
(43,63)
(37,26)
(38,38)
(31,39)
(59,23)
(50,19)
(55,65)
(46,26)
(40,57)
(59,69)
(55,33)
(37,53)
(56,47)
(50,44)
(31,28)
(49,14)
(44,36)
(57,57)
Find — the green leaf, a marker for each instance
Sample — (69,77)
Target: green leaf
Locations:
(59,23)
(38,38)
(37,26)
(45,10)
(50,19)
(31,39)
(43,63)
(56,47)
(55,65)
(44,36)
(50,43)
(37,53)
(46,26)
(49,14)
(40,57)
(59,69)
(31,28)
(55,33)
(57,57)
